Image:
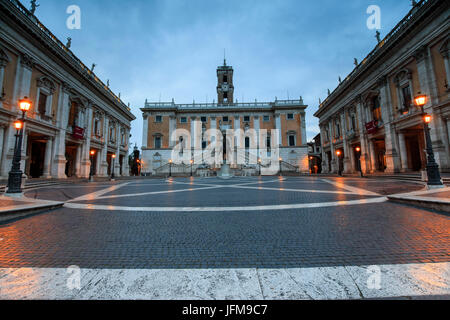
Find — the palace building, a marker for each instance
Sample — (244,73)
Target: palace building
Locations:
(264,133)
(73,112)
(370,122)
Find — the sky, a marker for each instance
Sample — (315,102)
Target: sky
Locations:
(164,49)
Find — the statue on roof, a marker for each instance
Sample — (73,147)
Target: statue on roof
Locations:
(378,36)
(34,6)
(69,42)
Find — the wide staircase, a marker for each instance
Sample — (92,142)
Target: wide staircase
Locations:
(415,177)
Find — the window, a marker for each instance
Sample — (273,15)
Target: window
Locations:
(183,120)
(42,106)
(225,96)
(291,141)
(158,119)
(338,130)
(225,78)
(204,119)
(266,118)
(407,100)
(290,116)
(376,108)
(203,145)
(225,119)
(247,142)
(353,122)
(246,118)
(268,142)
(157,142)
(73,114)
(112,132)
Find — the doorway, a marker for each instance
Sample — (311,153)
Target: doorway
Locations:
(37,158)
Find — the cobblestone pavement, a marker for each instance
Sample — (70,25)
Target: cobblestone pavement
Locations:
(240,223)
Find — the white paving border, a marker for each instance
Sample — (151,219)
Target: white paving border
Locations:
(352,282)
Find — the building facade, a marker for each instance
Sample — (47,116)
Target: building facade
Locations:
(370,122)
(73,112)
(185,127)
(315,155)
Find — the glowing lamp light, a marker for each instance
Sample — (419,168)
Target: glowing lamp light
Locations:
(170,161)
(358,149)
(338,153)
(259,160)
(113,156)
(92,152)
(192,161)
(420,100)
(281,159)
(427,118)
(25,104)
(18,125)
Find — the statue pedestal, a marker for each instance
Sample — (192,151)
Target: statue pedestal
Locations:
(225,172)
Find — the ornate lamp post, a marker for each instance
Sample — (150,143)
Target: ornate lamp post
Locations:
(192,162)
(358,153)
(91,171)
(15,175)
(170,167)
(434,177)
(259,166)
(113,157)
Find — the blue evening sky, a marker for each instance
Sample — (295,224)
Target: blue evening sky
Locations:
(164,49)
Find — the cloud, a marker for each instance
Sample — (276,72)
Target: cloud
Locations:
(171,48)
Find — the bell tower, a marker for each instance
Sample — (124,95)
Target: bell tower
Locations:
(225,88)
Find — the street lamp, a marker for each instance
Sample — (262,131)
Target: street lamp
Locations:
(91,171)
(15,175)
(358,154)
(170,167)
(259,165)
(113,157)
(339,153)
(281,169)
(434,176)
(192,162)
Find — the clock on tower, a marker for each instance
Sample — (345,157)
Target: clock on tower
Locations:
(225,88)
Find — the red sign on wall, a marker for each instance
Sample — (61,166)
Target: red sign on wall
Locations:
(372,127)
(78,133)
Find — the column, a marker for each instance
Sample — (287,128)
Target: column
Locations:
(85,149)
(145,131)
(8,150)
(334,163)
(237,157)
(403,152)
(392,158)
(348,167)
(126,166)
(214,138)
(278,127)
(2,136)
(48,158)
(373,160)
(59,158)
(4,59)
(104,156)
(117,160)
(257,127)
(324,158)
(172,129)
(303,128)
(365,158)
(23,79)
